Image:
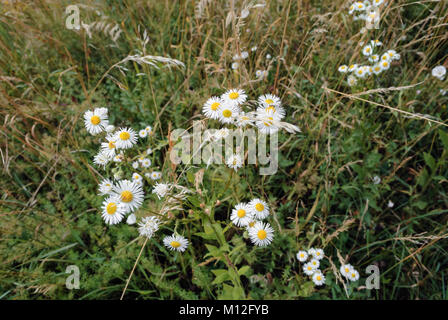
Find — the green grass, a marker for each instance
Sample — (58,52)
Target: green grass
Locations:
(322,194)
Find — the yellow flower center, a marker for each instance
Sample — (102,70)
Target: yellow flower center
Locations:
(269,101)
(111,145)
(271,109)
(234,95)
(259,207)
(215,106)
(111,208)
(126,196)
(319,278)
(125,135)
(309,268)
(175,244)
(302,255)
(360,6)
(385,64)
(347,270)
(268,123)
(227,113)
(261,234)
(95,120)
(251,224)
(241,213)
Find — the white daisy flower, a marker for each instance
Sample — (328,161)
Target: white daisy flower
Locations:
(377,68)
(374,58)
(109,128)
(101,159)
(302,256)
(265,123)
(143,133)
(352,68)
(367,50)
(148,151)
(161,189)
(377,2)
(235,65)
(241,215)
(130,193)
(308,269)
(212,106)
(135,164)
(343,69)
(146,163)
(318,278)
(235,162)
(372,17)
(109,147)
(113,210)
(318,254)
(118,158)
(346,269)
(361,72)
(315,263)
(353,275)
(376,43)
(259,209)
(156,175)
(360,6)
(376,180)
(351,80)
(137,178)
(268,57)
(261,74)
(275,111)
(251,223)
(244,54)
(228,113)
(148,226)
(351,9)
(176,243)
(385,57)
(254,48)
(311,252)
(439,72)
(269,100)
(126,138)
(131,219)
(243,120)
(105,187)
(261,234)
(95,121)
(149,130)
(234,97)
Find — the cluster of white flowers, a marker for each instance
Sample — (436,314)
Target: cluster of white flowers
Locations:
(126,196)
(311,268)
(229,109)
(349,272)
(379,62)
(366,10)
(250,216)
